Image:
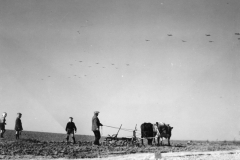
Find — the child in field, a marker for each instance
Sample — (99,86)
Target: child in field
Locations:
(70,128)
(18,125)
(2,124)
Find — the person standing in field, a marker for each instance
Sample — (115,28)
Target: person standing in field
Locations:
(70,128)
(2,124)
(18,125)
(95,127)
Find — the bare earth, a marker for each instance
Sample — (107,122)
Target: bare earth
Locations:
(42,146)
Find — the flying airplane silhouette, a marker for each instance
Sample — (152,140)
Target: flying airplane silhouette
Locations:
(210,41)
(169,34)
(183,41)
(208,35)
(147,40)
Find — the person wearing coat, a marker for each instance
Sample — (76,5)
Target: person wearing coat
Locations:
(18,125)
(95,128)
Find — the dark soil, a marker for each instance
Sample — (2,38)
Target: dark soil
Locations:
(52,145)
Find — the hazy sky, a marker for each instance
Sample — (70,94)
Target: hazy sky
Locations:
(69,58)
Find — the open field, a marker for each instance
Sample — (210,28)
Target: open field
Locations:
(38,145)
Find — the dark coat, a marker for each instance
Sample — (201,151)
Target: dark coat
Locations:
(18,125)
(71,126)
(95,123)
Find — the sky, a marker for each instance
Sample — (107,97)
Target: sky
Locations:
(135,61)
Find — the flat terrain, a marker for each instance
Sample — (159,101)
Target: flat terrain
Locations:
(39,145)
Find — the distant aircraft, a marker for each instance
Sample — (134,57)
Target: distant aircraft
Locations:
(208,35)
(80,61)
(183,41)
(112,64)
(147,40)
(169,34)
(237,33)
(127,64)
(210,41)
(96,63)
(89,66)
(49,76)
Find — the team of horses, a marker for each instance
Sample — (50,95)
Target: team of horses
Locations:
(156,132)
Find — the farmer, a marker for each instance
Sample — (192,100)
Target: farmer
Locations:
(95,128)
(70,128)
(18,125)
(2,124)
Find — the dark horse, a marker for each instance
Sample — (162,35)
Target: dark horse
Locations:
(147,132)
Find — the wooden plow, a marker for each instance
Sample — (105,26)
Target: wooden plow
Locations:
(114,140)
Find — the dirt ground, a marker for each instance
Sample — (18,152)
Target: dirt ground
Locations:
(33,145)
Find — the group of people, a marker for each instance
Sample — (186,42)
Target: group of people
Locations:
(70,127)
(18,125)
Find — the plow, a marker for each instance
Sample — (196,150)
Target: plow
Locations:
(114,140)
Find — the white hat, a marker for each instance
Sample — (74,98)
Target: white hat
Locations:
(96,112)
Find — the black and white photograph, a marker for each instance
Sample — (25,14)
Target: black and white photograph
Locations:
(120,79)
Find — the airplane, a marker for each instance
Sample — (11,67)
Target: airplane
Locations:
(96,63)
(169,34)
(80,61)
(127,64)
(112,64)
(208,35)
(183,41)
(147,40)
(210,41)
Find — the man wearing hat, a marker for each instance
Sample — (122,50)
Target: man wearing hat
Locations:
(95,127)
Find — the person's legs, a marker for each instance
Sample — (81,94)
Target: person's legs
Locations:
(73,138)
(17,134)
(2,132)
(67,138)
(98,135)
